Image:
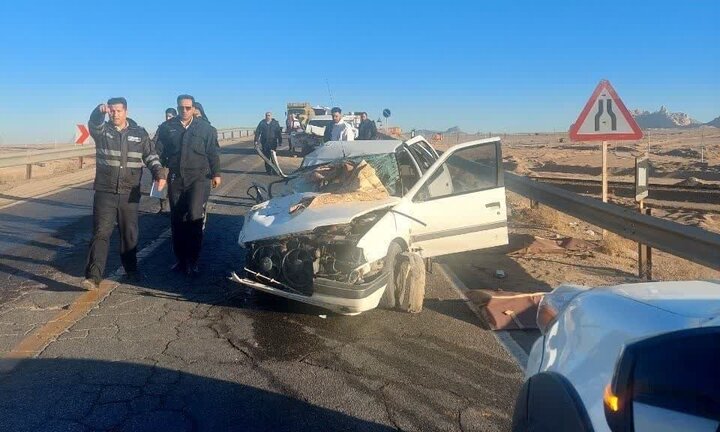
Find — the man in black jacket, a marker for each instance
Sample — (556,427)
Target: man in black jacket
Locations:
(121,149)
(269,134)
(190,149)
(169,114)
(367,129)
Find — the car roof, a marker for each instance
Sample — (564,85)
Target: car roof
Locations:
(334,150)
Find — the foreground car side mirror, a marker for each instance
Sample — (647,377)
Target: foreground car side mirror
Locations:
(667,382)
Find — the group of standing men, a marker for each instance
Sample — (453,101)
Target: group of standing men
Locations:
(268,133)
(184,155)
(340,130)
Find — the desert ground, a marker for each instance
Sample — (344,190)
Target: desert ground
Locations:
(676,155)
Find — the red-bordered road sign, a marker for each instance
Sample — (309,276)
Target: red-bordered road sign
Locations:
(82,134)
(605,118)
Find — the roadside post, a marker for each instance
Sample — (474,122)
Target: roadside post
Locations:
(642,170)
(605,118)
(81,136)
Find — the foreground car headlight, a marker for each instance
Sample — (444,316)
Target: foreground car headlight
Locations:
(554,303)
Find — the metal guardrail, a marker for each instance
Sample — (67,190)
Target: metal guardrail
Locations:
(39,156)
(692,243)
(232,133)
(70,151)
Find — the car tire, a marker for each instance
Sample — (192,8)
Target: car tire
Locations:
(410,282)
(388,299)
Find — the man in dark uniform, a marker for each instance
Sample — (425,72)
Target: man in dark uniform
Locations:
(269,134)
(367,129)
(191,151)
(169,114)
(122,148)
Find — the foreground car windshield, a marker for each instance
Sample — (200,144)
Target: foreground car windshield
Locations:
(345,175)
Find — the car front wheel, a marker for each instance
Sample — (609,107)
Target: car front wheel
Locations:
(388,300)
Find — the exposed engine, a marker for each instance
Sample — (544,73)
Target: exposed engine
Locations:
(329,252)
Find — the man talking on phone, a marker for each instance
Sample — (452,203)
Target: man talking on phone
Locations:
(122,148)
(190,149)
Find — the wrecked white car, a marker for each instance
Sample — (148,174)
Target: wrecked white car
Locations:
(348,230)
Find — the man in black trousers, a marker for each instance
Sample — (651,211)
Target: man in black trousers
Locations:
(269,134)
(169,114)
(191,151)
(122,148)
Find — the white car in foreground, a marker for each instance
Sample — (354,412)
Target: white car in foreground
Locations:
(636,357)
(333,234)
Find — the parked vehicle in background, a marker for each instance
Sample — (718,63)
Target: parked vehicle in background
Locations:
(639,357)
(311,137)
(303,111)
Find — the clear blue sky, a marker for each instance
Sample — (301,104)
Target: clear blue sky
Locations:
(482,65)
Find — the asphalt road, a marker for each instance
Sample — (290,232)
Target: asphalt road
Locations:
(207,354)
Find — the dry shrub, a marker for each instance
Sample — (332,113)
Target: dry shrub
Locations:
(542,216)
(617,246)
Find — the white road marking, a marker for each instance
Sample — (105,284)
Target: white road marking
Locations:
(512,347)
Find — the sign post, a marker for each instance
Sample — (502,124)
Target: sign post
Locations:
(605,118)
(642,173)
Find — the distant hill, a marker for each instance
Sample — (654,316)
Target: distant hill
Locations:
(428,132)
(715,122)
(664,119)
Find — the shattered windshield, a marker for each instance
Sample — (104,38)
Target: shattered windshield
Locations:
(377,173)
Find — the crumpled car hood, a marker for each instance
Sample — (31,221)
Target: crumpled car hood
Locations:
(273,219)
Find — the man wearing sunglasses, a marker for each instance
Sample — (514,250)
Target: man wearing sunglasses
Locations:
(190,149)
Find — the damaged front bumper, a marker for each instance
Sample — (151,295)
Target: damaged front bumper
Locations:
(339,297)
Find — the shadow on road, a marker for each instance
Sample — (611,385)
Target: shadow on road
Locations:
(69,394)
(246,151)
(46,201)
(477,271)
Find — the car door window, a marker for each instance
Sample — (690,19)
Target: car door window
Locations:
(409,175)
(423,158)
(425,146)
(467,170)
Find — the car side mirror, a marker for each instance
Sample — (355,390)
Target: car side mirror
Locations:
(667,382)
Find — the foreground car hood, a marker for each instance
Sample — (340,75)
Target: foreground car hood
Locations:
(693,299)
(272,218)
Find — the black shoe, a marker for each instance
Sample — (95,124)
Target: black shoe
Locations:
(133,276)
(91,284)
(179,268)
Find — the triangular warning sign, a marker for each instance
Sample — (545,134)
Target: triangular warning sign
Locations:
(605,118)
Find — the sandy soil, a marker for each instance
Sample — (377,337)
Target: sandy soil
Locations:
(675,156)
(598,263)
(14,176)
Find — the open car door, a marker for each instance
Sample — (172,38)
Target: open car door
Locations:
(459,203)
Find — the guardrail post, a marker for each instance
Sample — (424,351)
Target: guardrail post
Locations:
(28,171)
(645,254)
